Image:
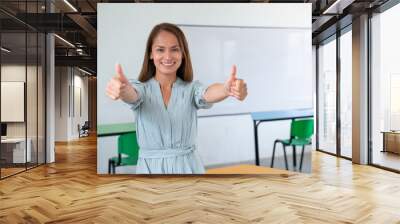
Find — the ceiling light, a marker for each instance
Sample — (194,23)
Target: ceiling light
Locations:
(338,6)
(70,5)
(84,71)
(65,41)
(5,50)
(80,51)
(331,7)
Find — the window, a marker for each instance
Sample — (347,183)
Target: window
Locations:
(346,94)
(385,89)
(327,96)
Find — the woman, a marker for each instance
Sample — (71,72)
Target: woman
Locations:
(166,102)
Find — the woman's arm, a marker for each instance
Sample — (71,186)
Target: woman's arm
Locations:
(232,87)
(120,88)
(215,93)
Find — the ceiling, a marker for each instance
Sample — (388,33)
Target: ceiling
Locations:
(77,23)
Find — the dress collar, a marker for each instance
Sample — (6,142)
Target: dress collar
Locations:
(177,82)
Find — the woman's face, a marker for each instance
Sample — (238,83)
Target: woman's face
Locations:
(166,53)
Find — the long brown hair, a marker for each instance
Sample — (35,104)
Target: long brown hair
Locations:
(185,71)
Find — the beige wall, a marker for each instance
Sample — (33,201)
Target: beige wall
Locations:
(71,102)
(17,73)
(34,124)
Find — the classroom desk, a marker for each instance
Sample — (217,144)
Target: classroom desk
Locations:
(391,141)
(110,130)
(259,117)
(15,148)
(115,129)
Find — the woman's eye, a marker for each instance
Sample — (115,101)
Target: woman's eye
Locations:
(160,50)
(175,50)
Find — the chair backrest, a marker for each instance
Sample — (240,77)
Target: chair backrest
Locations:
(86,125)
(302,129)
(127,145)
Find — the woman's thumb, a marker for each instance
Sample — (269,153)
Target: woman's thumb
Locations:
(120,73)
(233,74)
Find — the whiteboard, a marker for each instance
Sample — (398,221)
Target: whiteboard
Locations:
(275,63)
(12,101)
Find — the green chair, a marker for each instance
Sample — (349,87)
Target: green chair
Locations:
(301,132)
(128,152)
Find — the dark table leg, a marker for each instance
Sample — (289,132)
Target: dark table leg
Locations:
(384,143)
(256,142)
(294,157)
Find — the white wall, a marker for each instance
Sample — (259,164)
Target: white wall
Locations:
(230,139)
(68,81)
(221,139)
(61,103)
(16,72)
(80,104)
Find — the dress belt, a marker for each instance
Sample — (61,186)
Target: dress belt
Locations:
(155,153)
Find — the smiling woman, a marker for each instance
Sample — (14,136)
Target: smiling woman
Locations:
(166,102)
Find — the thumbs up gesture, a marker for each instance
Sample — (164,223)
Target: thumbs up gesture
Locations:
(119,87)
(235,87)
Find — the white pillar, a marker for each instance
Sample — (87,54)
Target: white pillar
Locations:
(50,93)
(50,110)
(360,90)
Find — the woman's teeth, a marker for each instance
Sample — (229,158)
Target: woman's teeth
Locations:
(167,64)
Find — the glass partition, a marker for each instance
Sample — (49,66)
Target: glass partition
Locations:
(32,95)
(13,86)
(22,88)
(41,109)
(327,96)
(346,94)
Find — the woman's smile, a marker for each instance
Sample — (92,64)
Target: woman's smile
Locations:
(168,63)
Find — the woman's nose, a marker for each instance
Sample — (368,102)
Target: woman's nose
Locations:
(168,54)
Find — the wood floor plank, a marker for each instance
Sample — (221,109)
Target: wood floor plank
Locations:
(70,191)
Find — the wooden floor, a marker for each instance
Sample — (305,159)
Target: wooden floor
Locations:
(10,171)
(5,172)
(386,159)
(70,191)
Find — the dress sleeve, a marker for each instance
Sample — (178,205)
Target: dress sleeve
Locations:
(199,90)
(140,90)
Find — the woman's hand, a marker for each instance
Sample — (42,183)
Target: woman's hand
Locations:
(120,88)
(235,87)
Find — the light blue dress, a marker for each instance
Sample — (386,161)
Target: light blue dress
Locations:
(167,134)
